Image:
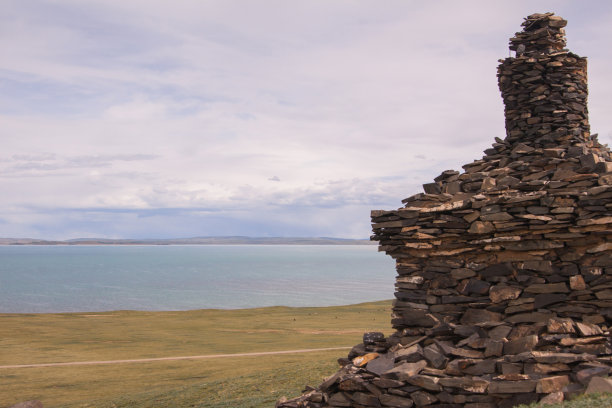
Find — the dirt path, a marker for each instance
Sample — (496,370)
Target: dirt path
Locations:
(146,360)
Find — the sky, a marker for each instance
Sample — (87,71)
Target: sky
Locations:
(167,119)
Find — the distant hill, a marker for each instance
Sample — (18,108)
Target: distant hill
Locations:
(236,240)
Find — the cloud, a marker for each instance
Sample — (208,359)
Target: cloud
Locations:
(46,164)
(33,157)
(145,107)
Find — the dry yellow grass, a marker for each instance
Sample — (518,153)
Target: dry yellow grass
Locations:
(227,382)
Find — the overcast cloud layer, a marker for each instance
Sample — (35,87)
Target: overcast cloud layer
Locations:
(141,118)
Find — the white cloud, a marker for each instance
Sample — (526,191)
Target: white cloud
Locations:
(146,105)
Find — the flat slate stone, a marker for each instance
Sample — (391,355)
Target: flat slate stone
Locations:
(588,329)
(373,337)
(599,385)
(475,385)
(381,365)
(388,383)
(552,384)
(512,387)
(560,325)
(584,376)
(560,287)
(520,345)
(534,317)
(395,401)
(410,354)
(500,293)
(475,316)
(552,398)
(365,399)
(545,299)
(566,358)
(422,398)
(434,356)
(405,371)
(340,399)
(426,382)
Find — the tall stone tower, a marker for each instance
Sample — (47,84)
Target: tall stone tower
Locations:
(504,271)
(535,210)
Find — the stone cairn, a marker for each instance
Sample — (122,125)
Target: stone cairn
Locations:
(504,286)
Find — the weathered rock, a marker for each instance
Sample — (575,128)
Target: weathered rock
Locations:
(584,376)
(512,387)
(434,356)
(588,329)
(577,283)
(560,287)
(352,384)
(365,359)
(565,358)
(552,384)
(553,398)
(381,365)
(373,337)
(469,384)
(599,385)
(339,399)
(331,380)
(388,400)
(387,383)
(504,270)
(422,398)
(546,299)
(478,316)
(501,293)
(520,345)
(409,354)
(560,325)
(425,382)
(405,371)
(499,332)
(494,348)
(368,400)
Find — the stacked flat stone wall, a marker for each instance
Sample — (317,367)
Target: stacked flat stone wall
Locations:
(504,271)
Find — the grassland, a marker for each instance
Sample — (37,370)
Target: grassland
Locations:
(226,382)
(235,382)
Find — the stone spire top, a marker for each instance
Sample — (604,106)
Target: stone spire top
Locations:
(542,34)
(545,87)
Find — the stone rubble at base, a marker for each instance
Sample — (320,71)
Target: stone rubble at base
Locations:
(504,286)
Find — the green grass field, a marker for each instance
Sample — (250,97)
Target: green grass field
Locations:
(224,382)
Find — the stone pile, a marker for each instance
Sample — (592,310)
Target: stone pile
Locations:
(542,34)
(475,366)
(504,286)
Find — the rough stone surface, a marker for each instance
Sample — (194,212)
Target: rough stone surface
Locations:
(599,385)
(504,270)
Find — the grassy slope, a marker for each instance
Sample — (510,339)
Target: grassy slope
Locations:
(228,382)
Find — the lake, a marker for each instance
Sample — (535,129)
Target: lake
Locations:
(40,279)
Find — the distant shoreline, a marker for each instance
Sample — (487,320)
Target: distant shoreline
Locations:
(262,309)
(234,240)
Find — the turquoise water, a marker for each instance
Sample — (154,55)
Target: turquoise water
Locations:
(38,279)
